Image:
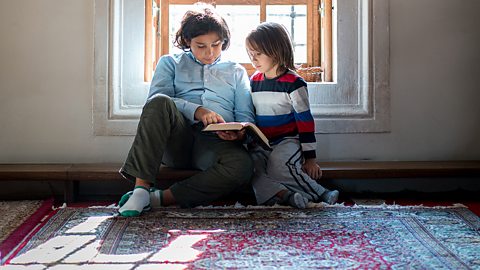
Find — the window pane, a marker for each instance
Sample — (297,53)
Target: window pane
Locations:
(241,20)
(176,13)
(294,18)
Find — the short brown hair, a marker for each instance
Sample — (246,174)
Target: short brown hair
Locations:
(273,40)
(200,20)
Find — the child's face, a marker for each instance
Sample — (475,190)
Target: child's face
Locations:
(262,62)
(206,48)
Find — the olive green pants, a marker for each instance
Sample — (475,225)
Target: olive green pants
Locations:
(165,136)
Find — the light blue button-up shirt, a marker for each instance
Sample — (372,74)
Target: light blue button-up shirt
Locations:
(222,87)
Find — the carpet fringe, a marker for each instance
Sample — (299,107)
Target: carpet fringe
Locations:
(238,205)
(64,205)
(325,205)
(397,206)
(113,206)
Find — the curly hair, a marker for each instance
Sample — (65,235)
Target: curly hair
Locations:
(200,20)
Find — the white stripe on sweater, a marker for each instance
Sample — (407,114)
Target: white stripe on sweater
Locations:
(300,100)
(309,146)
(272,103)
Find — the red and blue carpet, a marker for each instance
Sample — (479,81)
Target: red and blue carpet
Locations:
(337,237)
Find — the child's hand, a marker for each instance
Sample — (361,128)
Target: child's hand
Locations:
(311,168)
(207,116)
(231,135)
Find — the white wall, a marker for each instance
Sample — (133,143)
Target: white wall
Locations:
(46,86)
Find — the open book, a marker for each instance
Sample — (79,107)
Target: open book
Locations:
(250,128)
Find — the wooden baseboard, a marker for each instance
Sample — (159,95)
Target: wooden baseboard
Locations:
(72,174)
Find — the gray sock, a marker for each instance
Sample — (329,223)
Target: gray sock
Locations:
(289,198)
(330,196)
(295,199)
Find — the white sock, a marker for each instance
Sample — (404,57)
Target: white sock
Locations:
(156,197)
(137,203)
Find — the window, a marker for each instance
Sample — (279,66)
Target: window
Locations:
(356,100)
(311,37)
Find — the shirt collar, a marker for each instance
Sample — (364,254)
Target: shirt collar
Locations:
(190,54)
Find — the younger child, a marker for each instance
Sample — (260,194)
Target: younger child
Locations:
(286,175)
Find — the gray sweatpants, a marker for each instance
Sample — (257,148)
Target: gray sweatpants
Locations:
(281,169)
(165,136)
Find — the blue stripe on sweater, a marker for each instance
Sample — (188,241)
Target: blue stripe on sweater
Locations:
(272,85)
(305,116)
(274,120)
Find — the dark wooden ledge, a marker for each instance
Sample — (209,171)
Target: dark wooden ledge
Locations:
(399,169)
(72,174)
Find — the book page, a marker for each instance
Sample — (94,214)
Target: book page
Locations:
(252,130)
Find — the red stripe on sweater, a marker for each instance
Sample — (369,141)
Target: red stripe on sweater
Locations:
(273,132)
(257,77)
(304,127)
(290,78)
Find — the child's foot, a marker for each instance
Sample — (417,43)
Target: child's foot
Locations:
(330,196)
(296,200)
(125,198)
(138,202)
(155,198)
(289,198)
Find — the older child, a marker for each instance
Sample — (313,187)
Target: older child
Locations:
(285,175)
(188,91)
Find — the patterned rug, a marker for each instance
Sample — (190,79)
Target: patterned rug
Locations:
(337,237)
(17,220)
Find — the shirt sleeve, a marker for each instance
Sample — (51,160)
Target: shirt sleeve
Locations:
(243,110)
(304,119)
(162,83)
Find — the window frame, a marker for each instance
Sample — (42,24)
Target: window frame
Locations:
(358,101)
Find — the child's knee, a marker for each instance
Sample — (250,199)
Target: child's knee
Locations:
(159,101)
(238,167)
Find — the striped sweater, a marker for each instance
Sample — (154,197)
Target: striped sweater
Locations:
(282,109)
